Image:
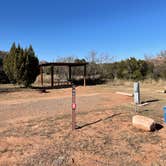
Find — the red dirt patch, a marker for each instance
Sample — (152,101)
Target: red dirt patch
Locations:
(36,130)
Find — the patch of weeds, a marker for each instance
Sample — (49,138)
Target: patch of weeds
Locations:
(153,138)
(43,127)
(136,140)
(107,140)
(57,154)
(156,163)
(131,162)
(119,157)
(163,157)
(155,114)
(134,143)
(93,145)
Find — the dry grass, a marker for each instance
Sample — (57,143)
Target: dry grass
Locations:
(106,137)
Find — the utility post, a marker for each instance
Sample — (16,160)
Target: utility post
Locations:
(136,94)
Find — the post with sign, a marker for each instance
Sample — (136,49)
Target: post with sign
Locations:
(73,107)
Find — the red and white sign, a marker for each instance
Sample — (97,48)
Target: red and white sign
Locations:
(73,106)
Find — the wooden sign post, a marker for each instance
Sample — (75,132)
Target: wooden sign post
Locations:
(73,107)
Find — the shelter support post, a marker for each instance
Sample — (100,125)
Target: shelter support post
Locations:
(69,73)
(52,76)
(84,75)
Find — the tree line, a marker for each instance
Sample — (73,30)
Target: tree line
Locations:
(21,66)
(132,68)
(101,67)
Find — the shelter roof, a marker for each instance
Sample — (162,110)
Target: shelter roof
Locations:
(64,64)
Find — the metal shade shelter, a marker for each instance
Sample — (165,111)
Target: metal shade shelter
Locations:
(69,65)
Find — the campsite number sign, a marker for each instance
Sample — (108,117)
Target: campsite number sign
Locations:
(73,107)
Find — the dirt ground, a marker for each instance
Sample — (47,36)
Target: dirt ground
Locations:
(35,128)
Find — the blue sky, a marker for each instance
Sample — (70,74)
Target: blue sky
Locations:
(120,28)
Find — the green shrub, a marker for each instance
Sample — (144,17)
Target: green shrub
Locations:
(21,65)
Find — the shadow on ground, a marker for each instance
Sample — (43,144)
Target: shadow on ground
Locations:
(158,127)
(150,101)
(97,121)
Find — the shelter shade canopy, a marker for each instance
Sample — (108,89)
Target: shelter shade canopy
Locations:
(69,65)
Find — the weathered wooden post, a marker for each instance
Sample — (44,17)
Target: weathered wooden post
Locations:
(136,93)
(69,73)
(73,107)
(52,76)
(84,75)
